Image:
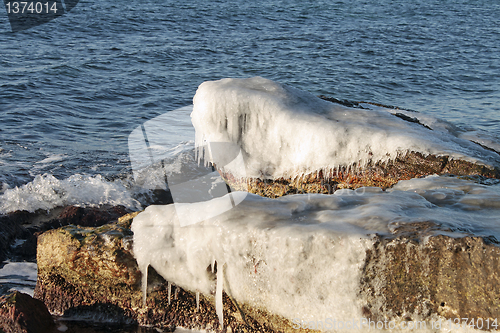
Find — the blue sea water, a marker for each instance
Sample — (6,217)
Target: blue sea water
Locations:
(72,90)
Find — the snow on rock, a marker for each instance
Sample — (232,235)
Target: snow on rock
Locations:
(285,132)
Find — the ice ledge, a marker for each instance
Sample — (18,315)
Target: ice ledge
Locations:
(287,133)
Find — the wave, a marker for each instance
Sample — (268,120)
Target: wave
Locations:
(46,192)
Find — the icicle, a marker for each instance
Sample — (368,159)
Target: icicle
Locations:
(218,294)
(213,265)
(169,291)
(197,301)
(176,291)
(144,281)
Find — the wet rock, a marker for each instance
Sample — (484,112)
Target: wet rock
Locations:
(82,216)
(20,313)
(26,226)
(12,228)
(384,175)
(97,258)
(416,276)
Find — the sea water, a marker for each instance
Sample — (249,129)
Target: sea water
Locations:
(72,91)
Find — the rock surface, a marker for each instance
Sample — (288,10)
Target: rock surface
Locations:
(417,277)
(414,274)
(25,226)
(384,175)
(20,313)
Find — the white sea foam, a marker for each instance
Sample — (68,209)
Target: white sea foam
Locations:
(284,131)
(46,192)
(300,256)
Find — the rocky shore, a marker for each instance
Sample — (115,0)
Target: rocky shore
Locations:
(25,226)
(414,274)
(420,271)
(86,269)
(19,312)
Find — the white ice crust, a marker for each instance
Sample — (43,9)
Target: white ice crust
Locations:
(268,254)
(283,131)
(300,256)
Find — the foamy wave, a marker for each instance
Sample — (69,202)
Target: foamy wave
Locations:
(46,192)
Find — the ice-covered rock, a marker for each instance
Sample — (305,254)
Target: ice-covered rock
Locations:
(414,253)
(306,144)
(304,256)
(90,274)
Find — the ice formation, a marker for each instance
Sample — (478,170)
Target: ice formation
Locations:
(197,301)
(169,292)
(283,131)
(218,294)
(300,256)
(247,243)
